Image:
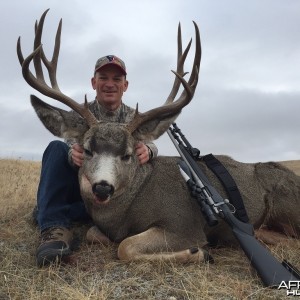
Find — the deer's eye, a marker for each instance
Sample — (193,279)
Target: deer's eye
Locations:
(88,152)
(126,157)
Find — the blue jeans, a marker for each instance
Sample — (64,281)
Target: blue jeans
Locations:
(58,199)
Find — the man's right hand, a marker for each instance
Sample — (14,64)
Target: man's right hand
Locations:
(77,155)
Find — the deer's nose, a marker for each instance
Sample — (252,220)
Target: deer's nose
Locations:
(103,190)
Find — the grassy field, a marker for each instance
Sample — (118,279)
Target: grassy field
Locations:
(94,272)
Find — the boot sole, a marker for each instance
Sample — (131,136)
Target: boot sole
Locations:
(48,256)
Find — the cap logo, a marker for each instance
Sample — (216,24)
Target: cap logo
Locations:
(110,57)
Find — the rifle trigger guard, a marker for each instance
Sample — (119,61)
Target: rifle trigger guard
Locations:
(226,201)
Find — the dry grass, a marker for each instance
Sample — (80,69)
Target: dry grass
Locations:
(294,165)
(94,272)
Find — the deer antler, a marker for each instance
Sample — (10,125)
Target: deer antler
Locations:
(172,107)
(38,82)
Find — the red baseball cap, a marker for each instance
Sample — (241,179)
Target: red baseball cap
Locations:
(110,59)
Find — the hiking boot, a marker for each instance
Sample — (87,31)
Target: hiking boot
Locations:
(55,244)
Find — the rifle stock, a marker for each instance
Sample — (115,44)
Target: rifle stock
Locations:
(269,269)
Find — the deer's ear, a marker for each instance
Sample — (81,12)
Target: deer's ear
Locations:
(61,123)
(153,129)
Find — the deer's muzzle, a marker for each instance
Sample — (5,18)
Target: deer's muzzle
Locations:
(103,190)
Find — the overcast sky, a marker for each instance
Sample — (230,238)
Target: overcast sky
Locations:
(247,102)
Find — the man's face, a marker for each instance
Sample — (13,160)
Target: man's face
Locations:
(110,84)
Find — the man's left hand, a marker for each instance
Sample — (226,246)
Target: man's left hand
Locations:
(142,151)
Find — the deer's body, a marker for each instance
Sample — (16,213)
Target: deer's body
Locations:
(148,209)
(158,197)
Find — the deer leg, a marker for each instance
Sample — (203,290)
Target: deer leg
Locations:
(284,202)
(95,236)
(270,237)
(152,245)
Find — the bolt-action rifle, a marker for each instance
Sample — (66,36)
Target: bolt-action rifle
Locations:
(213,206)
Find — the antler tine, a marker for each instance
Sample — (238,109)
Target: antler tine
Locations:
(38,82)
(19,52)
(190,86)
(37,42)
(50,65)
(197,58)
(171,107)
(180,63)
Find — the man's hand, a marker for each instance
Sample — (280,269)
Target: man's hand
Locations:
(142,151)
(77,155)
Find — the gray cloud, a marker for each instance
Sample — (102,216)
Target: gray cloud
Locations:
(247,101)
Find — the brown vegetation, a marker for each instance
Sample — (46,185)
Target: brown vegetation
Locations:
(94,272)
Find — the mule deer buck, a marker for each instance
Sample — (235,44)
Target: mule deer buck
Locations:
(148,209)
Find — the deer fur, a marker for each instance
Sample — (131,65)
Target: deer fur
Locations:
(151,213)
